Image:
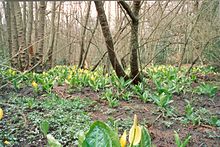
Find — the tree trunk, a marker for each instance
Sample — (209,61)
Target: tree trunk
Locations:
(57,34)
(39,54)
(82,51)
(24,22)
(89,43)
(7,11)
(36,24)
(29,32)
(134,44)
(108,40)
(19,21)
(14,32)
(51,45)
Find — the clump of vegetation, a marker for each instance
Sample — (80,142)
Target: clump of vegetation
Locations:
(60,120)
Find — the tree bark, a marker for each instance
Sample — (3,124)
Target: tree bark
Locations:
(57,34)
(51,45)
(7,11)
(134,44)
(82,51)
(29,32)
(14,32)
(108,40)
(21,40)
(24,22)
(39,54)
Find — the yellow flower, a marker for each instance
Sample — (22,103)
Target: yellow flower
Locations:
(6,142)
(12,72)
(135,132)
(69,77)
(1,113)
(34,84)
(92,78)
(123,139)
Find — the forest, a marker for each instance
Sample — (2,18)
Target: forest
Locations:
(110,73)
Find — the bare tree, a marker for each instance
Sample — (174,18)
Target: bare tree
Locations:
(108,40)
(57,34)
(82,50)
(134,45)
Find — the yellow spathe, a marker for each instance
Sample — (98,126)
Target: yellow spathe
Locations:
(1,113)
(123,139)
(135,132)
(34,84)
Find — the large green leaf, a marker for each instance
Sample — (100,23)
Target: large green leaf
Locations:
(101,135)
(145,138)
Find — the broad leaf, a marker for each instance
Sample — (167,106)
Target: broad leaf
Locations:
(101,135)
(44,127)
(145,139)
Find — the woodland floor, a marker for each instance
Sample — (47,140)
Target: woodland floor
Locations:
(19,126)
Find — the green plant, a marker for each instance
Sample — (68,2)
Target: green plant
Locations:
(178,142)
(126,95)
(189,109)
(30,103)
(102,135)
(191,115)
(141,92)
(44,127)
(145,97)
(113,102)
(215,121)
(99,135)
(208,89)
(162,99)
(111,98)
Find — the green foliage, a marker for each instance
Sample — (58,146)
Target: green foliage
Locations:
(44,127)
(179,143)
(162,99)
(208,89)
(66,117)
(142,92)
(111,97)
(145,138)
(100,135)
(190,115)
(215,121)
(69,117)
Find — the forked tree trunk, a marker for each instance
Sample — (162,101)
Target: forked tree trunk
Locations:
(134,44)
(108,40)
